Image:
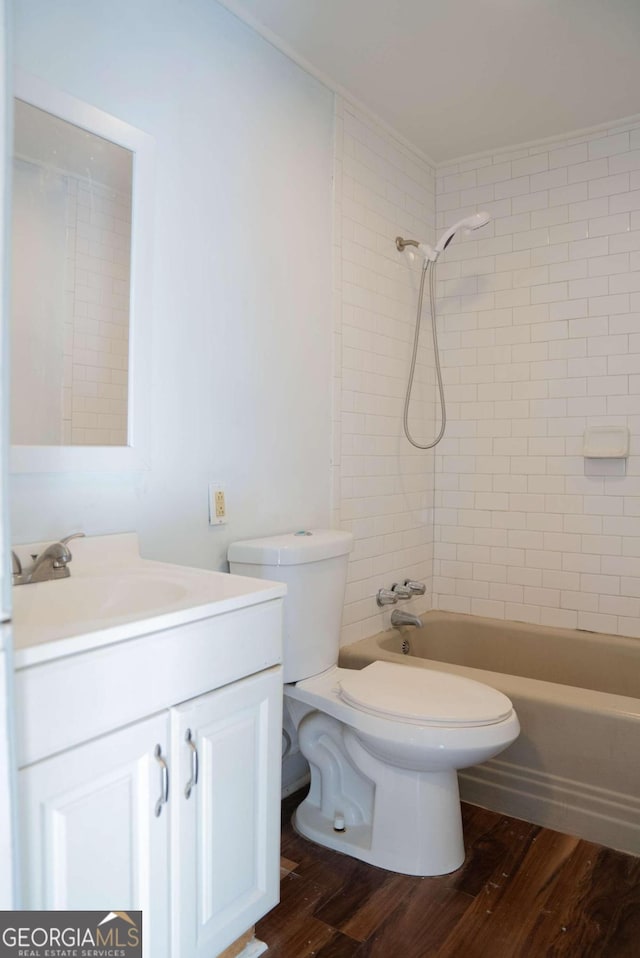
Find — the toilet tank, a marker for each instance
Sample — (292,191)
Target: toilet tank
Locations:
(313,564)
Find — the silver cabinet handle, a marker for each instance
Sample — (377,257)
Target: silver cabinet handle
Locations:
(193,781)
(164,781)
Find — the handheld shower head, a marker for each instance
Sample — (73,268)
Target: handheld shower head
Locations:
(431,253)
(473,222)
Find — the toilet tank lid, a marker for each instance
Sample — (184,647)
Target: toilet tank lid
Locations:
(292,548)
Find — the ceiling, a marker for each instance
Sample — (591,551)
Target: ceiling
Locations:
(456,77)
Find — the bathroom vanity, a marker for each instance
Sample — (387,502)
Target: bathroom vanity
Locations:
(149,745)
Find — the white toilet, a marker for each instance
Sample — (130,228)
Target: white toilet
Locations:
(383,743)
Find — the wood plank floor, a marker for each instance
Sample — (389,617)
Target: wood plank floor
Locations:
(523,892)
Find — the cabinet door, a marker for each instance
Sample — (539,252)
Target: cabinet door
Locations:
(91,837)
(226,834)
(7,837)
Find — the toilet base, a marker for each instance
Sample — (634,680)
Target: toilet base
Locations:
(399,819)
(357,841)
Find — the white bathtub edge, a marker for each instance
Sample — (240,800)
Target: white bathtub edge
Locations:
(575,808)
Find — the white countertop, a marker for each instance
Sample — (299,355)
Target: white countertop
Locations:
(113,595)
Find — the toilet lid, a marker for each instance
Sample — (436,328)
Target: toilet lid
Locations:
(423,696)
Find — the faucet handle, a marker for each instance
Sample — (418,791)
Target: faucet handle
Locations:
(64,557)
(386,597)
(16,565)
(59,553)
(415,588)
(75,535)
(402,591)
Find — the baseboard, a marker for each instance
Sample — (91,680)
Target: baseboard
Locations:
(253,949)
(292,787)
(246,946)
(596,814)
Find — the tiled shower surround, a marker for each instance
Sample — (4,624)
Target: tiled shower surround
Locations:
(539,319)
(540,314)
(383,488)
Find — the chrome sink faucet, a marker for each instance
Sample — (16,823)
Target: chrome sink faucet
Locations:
(52,563)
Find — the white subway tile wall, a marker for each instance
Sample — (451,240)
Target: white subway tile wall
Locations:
(97,327)
(540,313)
(383,487)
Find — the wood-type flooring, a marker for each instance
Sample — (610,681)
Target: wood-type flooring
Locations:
(522,892)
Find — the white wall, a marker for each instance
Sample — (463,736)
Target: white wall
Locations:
(540,314)
(241,351)
(383,487)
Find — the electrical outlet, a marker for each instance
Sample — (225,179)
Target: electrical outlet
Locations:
(217,505)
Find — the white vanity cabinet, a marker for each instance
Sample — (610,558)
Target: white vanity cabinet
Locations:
(225,863)
(150,778)
(90,836)
(7,837)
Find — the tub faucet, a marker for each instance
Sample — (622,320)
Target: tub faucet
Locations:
(52,563)
(415,588)
(399,618)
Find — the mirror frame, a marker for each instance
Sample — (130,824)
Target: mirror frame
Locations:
(134,456)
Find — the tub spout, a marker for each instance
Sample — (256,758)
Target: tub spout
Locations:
(405,618)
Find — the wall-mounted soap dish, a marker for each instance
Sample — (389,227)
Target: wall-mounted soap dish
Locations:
(606,442)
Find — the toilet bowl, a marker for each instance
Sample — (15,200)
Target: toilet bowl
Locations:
(388,774)
(383,743)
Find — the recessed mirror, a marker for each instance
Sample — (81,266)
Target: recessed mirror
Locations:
(81,242)
(71,252)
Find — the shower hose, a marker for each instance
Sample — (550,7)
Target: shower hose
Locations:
(430,268)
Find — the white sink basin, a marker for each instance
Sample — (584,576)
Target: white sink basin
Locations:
(112,594)
(65,602)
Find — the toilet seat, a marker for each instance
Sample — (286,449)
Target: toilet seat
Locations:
(422,697)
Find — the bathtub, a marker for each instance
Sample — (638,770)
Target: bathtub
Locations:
(576,765)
